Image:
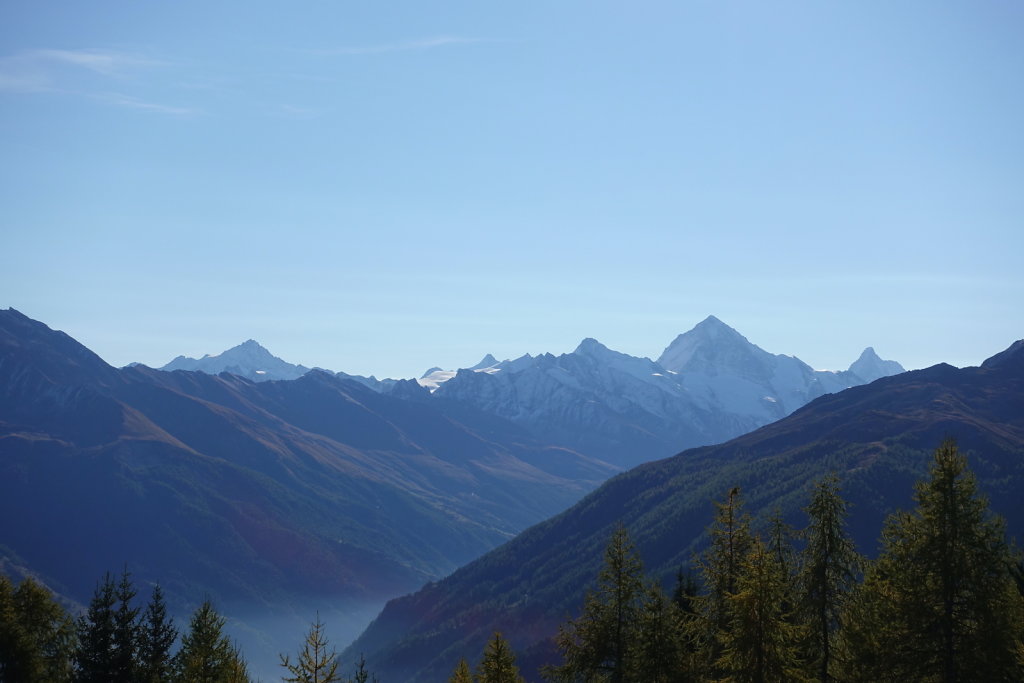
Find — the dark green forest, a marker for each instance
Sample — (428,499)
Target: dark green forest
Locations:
(943,601)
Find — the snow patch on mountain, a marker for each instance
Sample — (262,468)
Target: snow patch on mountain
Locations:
(249,359)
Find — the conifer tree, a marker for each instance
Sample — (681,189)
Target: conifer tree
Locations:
(731,540)
(316,664)
(498,664)
(685,592)
(462,674)
(206,655)
(829,565)
(362,674)
(761,642)
(660,653)
(94,660)
(780,547)
(156,638)
(37,637)
(126,634)
(12,639)
(237,669)
(599,644)
(685,597)
(940,602)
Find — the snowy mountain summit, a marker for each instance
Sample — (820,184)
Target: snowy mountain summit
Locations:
(870,367)
(709,385)
(713,346)
(717,364)
(249,359)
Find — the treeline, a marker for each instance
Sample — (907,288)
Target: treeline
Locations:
(944,601)
(113,642)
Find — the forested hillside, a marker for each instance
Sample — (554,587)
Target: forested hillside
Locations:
(878,438)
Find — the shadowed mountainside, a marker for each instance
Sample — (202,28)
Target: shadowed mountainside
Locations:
(878,437)
(273,496)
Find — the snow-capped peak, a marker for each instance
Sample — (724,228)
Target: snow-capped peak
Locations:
(710,339)
(870,366)
(487,361)
(592,347)
(248,359)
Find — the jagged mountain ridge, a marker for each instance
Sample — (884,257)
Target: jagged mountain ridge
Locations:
(878,437)
(709,385)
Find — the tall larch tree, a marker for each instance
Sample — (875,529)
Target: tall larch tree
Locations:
(317,661)
(720,567)
(599,644)
(126,633)
(206,655)
(37,636)
(829,569)
(660,653)
(94,660)
(156,638)
(362,673)
(12,639)
(237,668)
(498,664)
(940,604)
(761,641)
(462,673)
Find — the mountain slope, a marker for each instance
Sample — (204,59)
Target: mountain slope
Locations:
(877,436)
(278,497)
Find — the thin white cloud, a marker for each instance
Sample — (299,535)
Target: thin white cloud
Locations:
(46,69)
(122,100)
(421,44)
(296,112)
(75,72)
(99,61)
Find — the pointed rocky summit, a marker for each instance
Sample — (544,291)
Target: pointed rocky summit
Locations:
(870,367)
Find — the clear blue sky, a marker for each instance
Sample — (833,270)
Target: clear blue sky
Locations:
(381,187)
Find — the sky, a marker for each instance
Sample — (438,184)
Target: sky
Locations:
(384,187)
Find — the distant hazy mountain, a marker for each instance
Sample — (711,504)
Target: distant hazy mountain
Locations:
(252,361)
(248,359)
(870,367)
(380,385)
(878,437)
(709,385)
(276,498)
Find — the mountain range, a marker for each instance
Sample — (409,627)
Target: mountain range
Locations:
(877,437)
(277,497)
(281,490)
(709,385)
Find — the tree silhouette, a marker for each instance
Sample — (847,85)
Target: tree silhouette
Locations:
(315,663)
